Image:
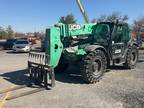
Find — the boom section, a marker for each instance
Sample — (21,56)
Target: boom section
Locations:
(55,36)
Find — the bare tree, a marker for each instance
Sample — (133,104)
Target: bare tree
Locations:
(4,34)
(69,19)
(138,25)
(10,32)
(138,28)
(113,17)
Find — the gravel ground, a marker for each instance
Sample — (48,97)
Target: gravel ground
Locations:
(118,88)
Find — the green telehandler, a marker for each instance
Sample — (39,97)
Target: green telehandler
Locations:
(94,47)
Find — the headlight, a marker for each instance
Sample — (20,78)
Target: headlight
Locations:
(26,46)
(14,47)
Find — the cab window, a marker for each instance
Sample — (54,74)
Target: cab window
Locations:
(118,34)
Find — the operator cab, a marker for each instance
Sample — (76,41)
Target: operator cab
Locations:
(114,37)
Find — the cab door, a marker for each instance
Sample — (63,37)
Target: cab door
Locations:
(118,44)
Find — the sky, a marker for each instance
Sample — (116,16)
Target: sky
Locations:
(37,15)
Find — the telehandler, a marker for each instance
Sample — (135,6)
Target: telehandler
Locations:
(94,47)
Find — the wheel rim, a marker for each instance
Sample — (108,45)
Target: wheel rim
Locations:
(96,67)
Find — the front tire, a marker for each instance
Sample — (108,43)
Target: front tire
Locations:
(131,58)
(93,66)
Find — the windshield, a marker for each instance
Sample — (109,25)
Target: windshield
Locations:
(102,29)
(22,42)
(101,32)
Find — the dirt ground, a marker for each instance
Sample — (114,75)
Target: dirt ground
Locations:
(118,88)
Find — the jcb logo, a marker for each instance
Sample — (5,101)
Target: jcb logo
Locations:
(74,27)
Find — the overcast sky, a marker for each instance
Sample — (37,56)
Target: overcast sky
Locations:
(36,15)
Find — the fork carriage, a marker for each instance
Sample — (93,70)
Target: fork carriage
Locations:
(39,69)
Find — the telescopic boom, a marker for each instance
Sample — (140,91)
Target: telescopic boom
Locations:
(83,11)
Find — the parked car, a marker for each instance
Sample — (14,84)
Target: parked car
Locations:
(21,46)
(9,43)
(2,43)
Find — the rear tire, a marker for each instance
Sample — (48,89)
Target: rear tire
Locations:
(131,58)
(93,66)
